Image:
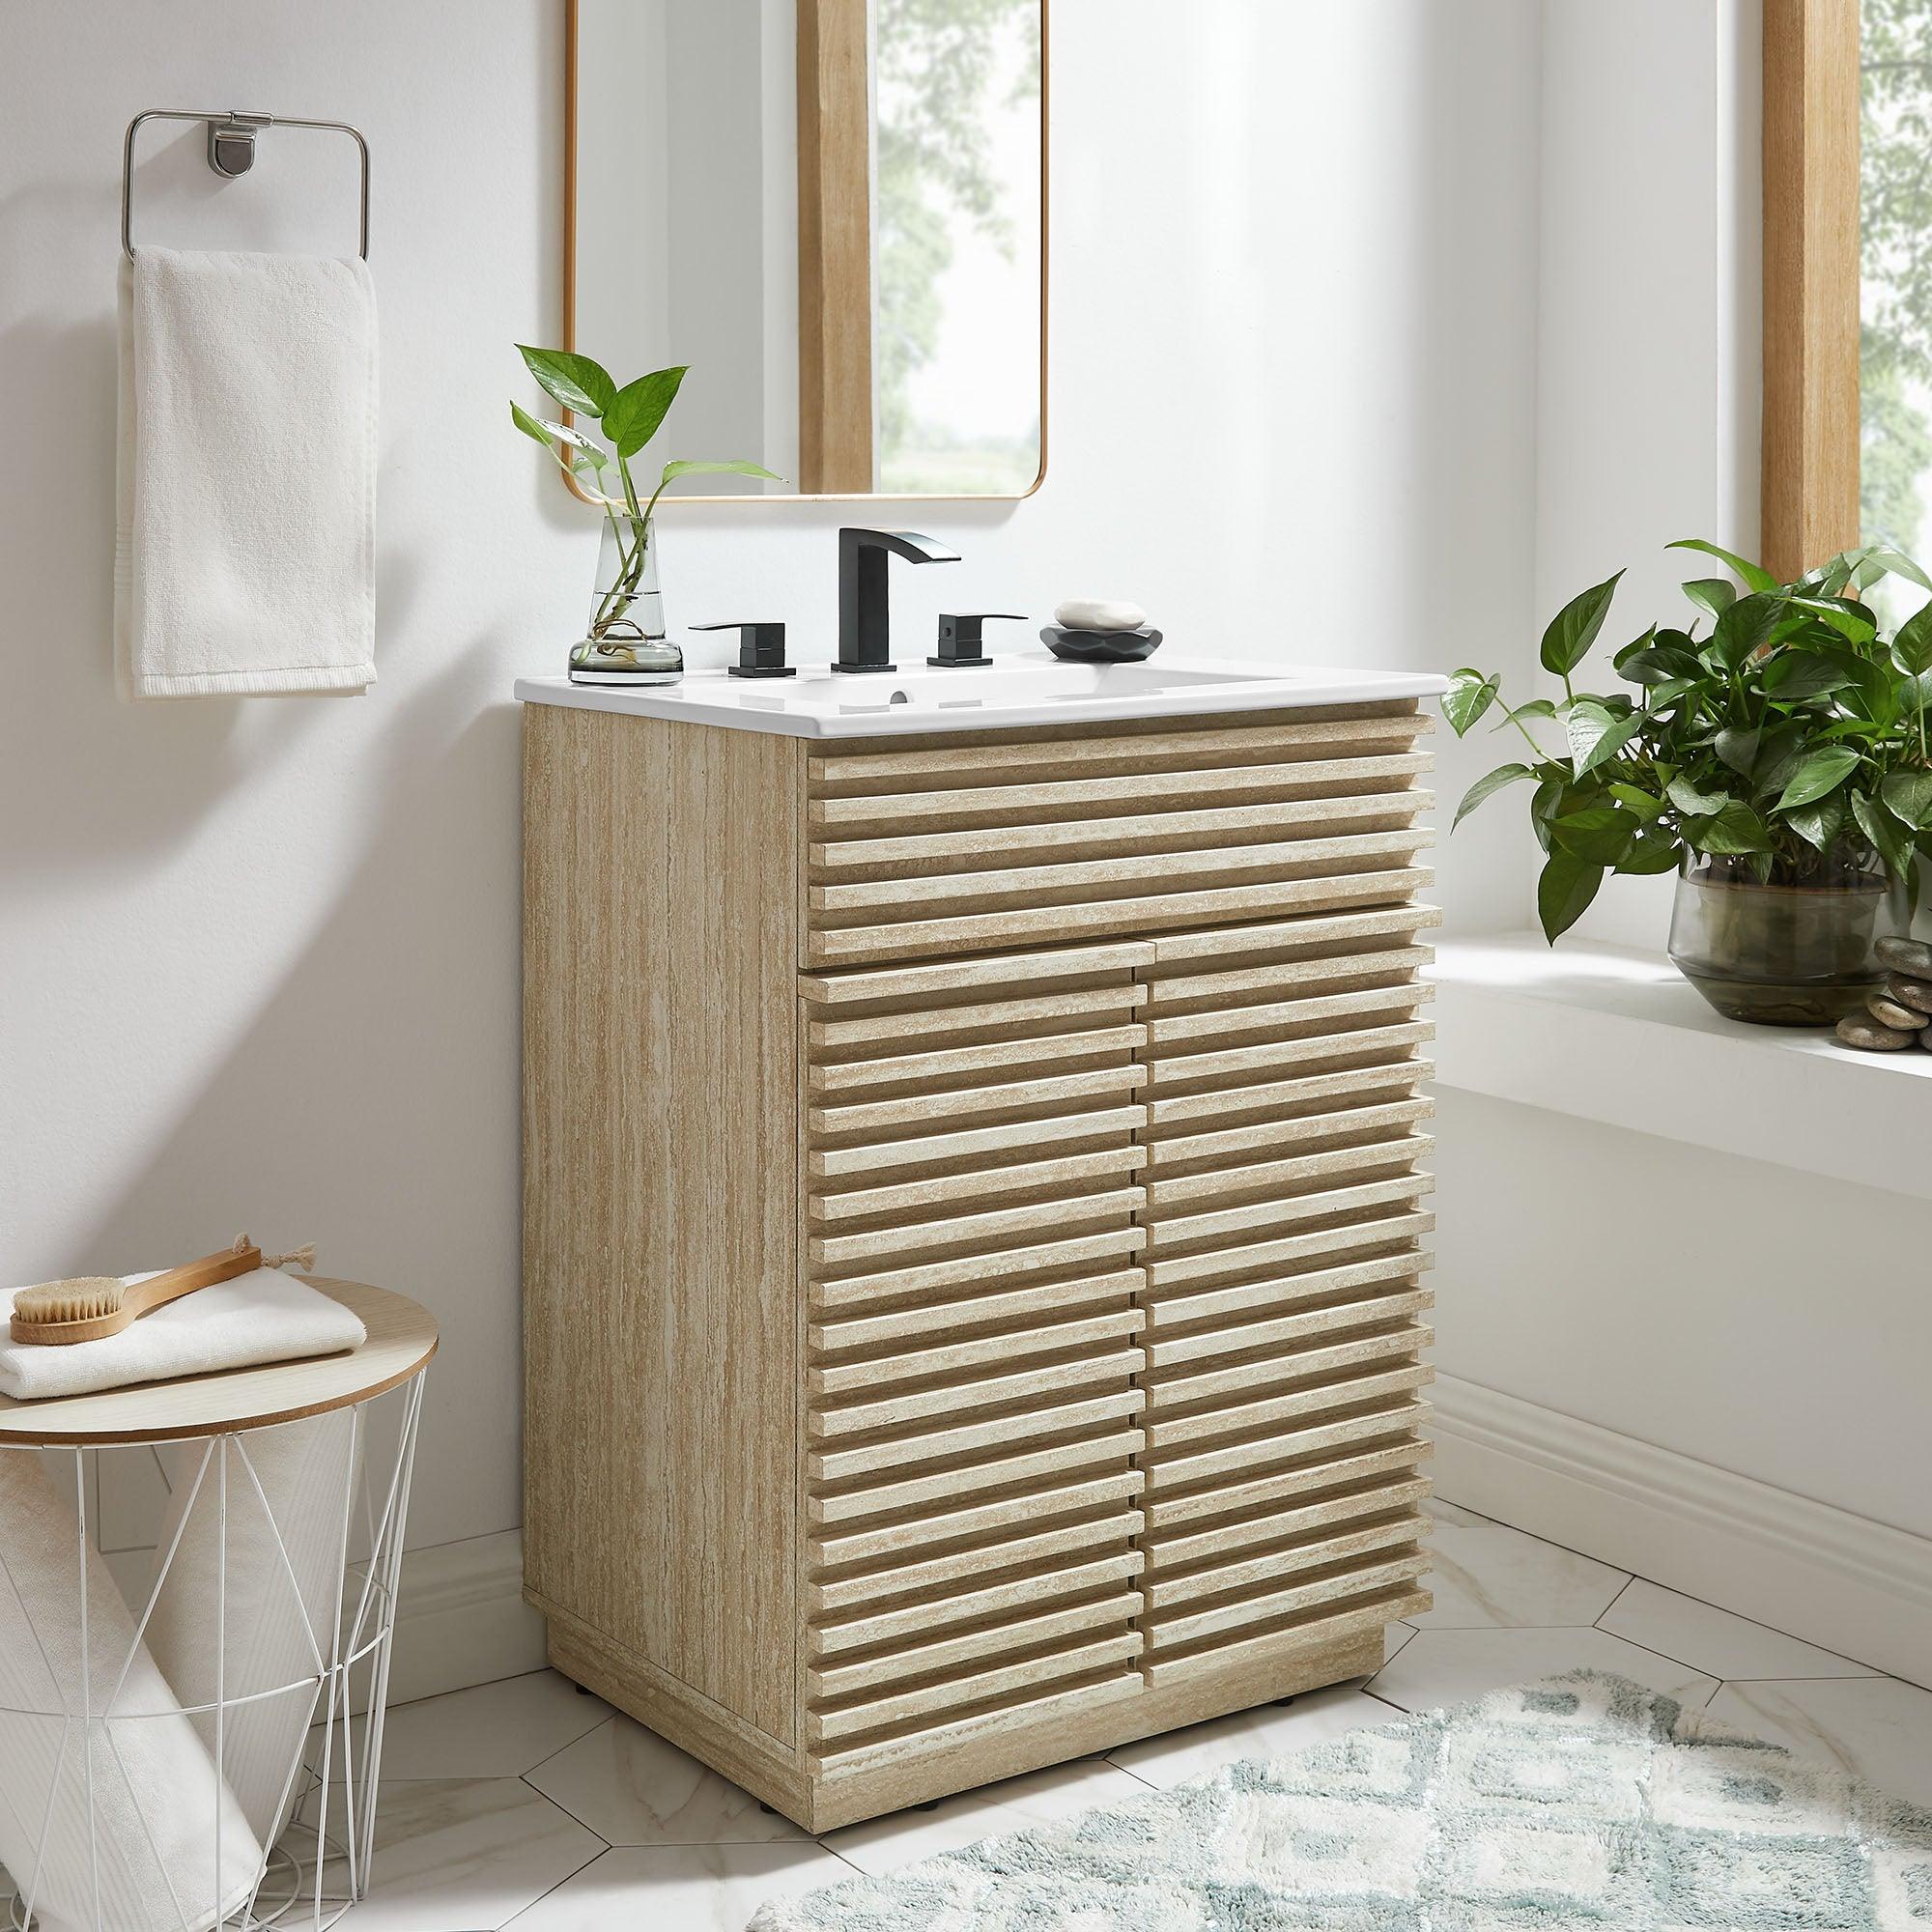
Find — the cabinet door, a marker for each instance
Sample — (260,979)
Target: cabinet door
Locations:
(973,1147)
(1285,1297)
(921,849)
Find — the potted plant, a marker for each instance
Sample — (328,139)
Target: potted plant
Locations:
(626,640)
(1777,760)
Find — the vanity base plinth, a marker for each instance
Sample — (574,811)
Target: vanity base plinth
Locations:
(939,1767)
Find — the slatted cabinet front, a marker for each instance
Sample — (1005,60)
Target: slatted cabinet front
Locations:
(1113,1263)
(1285,1295)
(974,1140)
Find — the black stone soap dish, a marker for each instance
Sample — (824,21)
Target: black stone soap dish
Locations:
(1099,646)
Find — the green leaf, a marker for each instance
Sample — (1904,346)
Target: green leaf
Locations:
(1537,707)
(1601,833)
(1564,892)
(1596,736)
(1818,773)
(1819,824)
(1687,799)
(576,440)
(638,407)
(1745,628)
(1753,575)
(1489,783)
(1908,796)
(1574,628)
(1469,694)
(1734,830)
(1845,615)
(1642,803)
(1795,674)
(735,467)
(1899,565)
(1636,647)
(1911,648)
(575,381)
(1886,836)
(529,424)
(1714,594)
(1737,746)
(1657,665)
(1544,802)
(1653,850)
(1662,696)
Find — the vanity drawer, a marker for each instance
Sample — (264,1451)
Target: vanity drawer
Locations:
(980,843)
(974,1142)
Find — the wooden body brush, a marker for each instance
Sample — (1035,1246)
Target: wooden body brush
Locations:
(90,1306)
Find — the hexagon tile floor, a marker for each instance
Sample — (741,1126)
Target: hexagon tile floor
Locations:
(531,1805)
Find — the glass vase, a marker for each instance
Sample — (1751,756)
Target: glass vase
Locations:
(1783,954)
(626,643)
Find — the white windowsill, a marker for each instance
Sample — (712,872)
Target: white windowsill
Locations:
(1608,1034)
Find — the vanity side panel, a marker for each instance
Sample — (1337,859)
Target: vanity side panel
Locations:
(660,1264)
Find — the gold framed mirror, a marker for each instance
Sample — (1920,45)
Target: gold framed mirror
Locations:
(835,211)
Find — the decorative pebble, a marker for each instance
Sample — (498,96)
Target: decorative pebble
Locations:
(1098,613)
(1913,993)
(1888,1012)
(1906,956)
(1856,1030)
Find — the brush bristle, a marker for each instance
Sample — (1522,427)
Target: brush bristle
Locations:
(85,1299)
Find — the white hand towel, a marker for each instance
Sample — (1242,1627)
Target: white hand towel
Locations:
(244,541)
(142,1775)
(269,1315)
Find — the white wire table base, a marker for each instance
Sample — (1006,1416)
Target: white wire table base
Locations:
(206,1752)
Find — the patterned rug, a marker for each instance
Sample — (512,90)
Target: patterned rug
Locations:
(1585,1802)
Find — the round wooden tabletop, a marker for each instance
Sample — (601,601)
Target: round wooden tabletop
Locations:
(402,1338)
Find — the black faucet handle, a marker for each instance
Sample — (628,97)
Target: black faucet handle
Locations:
(761,649)
(960,642)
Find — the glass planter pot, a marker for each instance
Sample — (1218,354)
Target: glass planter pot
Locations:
(626,643)
(627,601)
(1778,954)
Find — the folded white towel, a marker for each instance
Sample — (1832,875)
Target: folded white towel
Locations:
(143,1775)
(245,539)
(269,1315)
(288,1492)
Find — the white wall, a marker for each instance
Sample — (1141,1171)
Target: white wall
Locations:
(260,958)
(1647,338)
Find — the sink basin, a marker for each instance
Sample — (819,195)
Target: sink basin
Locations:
(1031,688)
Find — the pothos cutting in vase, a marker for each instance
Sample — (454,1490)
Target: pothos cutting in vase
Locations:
(1772,752)
(626,643)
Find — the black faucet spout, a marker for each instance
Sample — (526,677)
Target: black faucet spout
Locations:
(864,613)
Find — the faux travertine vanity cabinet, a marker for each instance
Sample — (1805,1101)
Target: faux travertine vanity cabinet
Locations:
(974,1228)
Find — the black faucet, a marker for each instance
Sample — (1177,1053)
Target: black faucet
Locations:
(865,623)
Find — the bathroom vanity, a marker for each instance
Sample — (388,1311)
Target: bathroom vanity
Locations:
(974,1228)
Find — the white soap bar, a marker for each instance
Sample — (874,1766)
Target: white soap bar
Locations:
(1095,613)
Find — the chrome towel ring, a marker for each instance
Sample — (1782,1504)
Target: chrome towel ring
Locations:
(231,151)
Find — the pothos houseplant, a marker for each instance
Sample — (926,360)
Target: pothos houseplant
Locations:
(627,609)
(1772,751)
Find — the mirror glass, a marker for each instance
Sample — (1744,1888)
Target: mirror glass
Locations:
(833,210)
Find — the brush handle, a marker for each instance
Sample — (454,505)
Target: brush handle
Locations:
(145,1296)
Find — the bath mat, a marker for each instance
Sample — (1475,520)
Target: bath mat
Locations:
(1586,1800)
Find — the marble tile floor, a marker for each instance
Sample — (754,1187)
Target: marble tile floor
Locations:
(526,1804)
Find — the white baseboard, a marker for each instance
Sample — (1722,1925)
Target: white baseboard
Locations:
(461,1618)
(1857,1587)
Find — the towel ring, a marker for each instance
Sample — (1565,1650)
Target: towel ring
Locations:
(231,151)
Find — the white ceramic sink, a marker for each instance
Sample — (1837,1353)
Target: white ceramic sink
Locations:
(1031,688)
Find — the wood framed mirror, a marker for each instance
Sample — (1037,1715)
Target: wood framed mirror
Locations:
(835,212)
